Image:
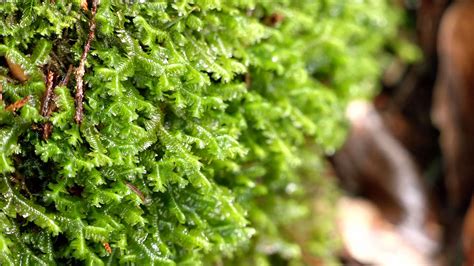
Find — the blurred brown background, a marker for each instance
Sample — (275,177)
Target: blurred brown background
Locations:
(408,163)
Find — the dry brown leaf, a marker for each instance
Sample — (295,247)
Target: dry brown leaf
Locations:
(16,71)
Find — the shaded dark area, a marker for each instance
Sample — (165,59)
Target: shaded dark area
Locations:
(411,151)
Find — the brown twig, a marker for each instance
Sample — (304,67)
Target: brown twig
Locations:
(137,191)
(66,78)
(57,61)
(18,104)
(48,94)
(47,105)
(47,129)
(80,69)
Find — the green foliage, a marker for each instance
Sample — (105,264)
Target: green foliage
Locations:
(199,118)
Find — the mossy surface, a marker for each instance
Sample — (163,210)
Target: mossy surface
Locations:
(205,124)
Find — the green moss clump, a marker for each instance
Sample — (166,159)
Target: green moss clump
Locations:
(198,118)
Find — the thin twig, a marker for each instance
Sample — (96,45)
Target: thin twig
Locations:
(48,94)
(66,78)
(18,104)
(47,105)
(136,190)
(47,129)
(80,69)
(57,60)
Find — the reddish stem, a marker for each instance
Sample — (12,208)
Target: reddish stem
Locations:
(80,69)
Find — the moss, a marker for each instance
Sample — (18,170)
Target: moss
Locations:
(198,118)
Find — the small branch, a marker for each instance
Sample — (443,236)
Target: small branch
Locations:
(47,95)
(80,69)
(47,129)
(18,104)
(57,60)
(66,78)
(47,105)
(136,191)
